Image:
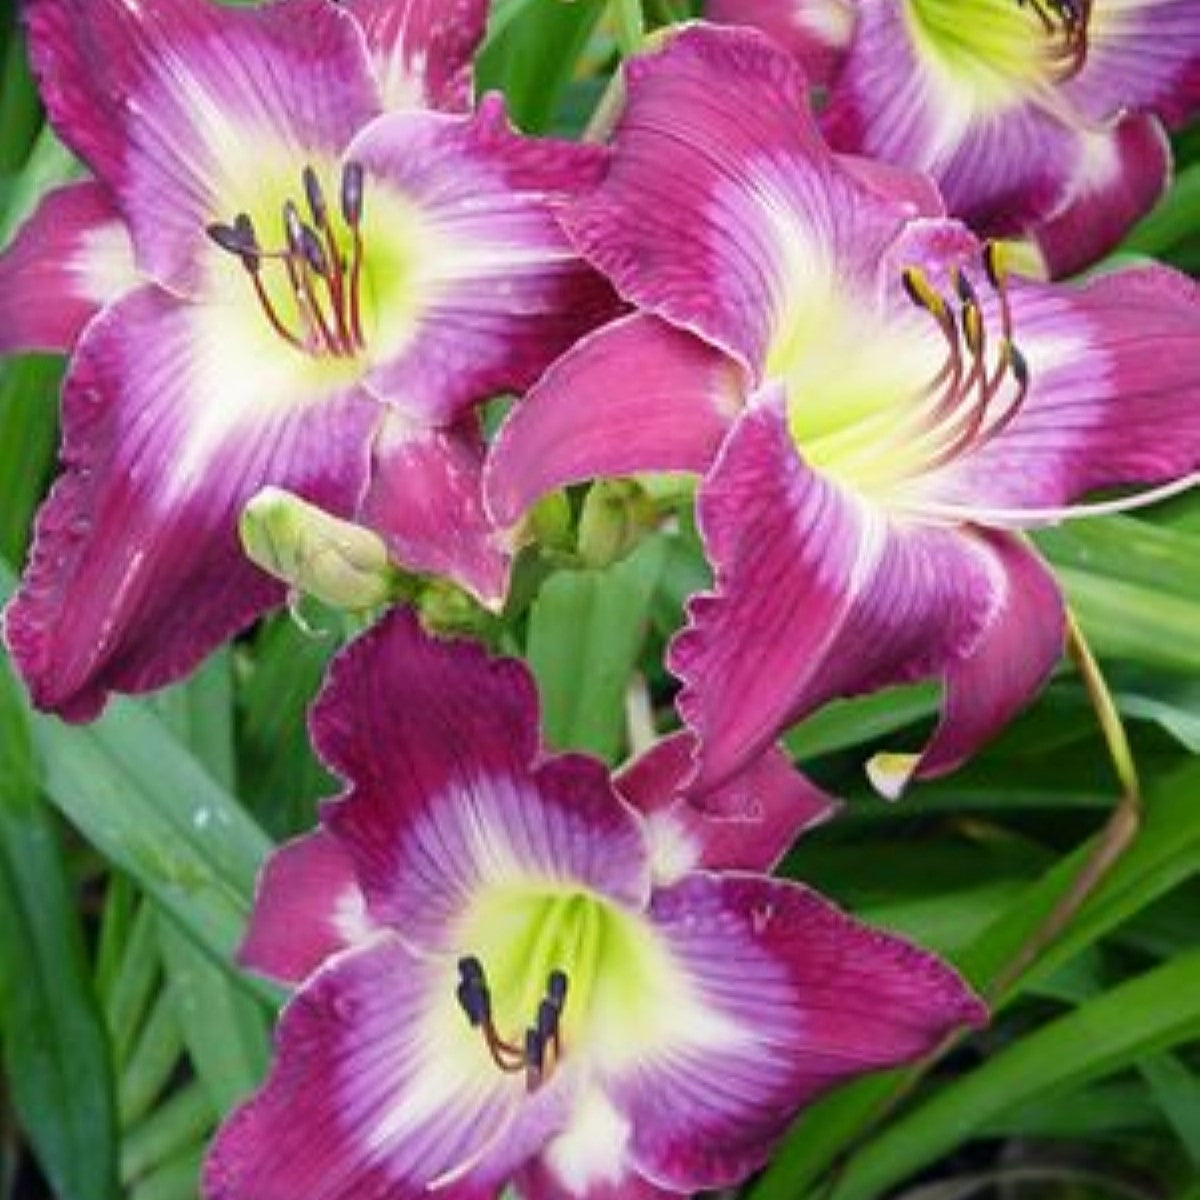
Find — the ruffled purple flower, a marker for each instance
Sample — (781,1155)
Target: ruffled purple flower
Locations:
(502,977)
(300,263)
(1040,119)
(876,403)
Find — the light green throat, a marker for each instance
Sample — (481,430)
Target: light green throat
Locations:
(549,972)
(1001,48)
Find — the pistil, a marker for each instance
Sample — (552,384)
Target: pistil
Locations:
(326,283)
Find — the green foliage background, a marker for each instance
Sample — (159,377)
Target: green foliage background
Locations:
(128,848)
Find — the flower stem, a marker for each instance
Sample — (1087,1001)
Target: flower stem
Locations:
(1118,832)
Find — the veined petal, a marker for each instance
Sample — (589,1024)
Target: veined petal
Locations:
(1011,661)
(174,415)
(1114,397)
(426,500)
(1143,55)
(380,1088)
(192,111)
(490,291)
(723,211)
(818,594)
(423,49)
(748,824)
(307,906)
(807,998)
(1121,172)
(439,745)
(998,158)
(816,32)
(637,395)
(539,1182)
(70,259)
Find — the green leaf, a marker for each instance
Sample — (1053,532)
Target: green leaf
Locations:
(586,630)
(224,1029)
(1141,1016)
(1177,1091)
(28,436)
(177,1125)
(55,1047)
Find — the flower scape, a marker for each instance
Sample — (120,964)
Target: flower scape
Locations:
(813,310)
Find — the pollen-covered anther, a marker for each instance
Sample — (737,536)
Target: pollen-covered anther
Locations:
(323,277)
(541,1045)
(1065,24)
(970,404)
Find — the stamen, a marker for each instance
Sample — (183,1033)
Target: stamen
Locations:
(1066,23)
(329,312)
(535,1059)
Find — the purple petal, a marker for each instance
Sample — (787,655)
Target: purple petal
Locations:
(1143,55)
(748,824)
(723,206)
(498,291)
(637,395)
(426,499)
(1120,174)
(815,32)
(1012,659)
(183,106)
(380,1088)
(439,745)
(307,906)
(817,595)
(423,49)
(1114,396)
(816,997)
(70,259)
(538,1181)
(173,418)
(998,170)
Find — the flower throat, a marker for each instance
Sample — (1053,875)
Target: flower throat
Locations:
(324,276)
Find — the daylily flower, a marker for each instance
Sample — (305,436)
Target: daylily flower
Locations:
(496,988)
(271,280)
(1038,118)
(874,402)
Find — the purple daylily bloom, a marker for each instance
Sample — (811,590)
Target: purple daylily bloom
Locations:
(498,982)
(875,403)
(283,273)
(1040,119)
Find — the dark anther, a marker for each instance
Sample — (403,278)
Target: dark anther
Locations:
(549,1015)
(556,988)
(293,228)
(966,293)
(911,290)
(1020,366)
(992,265)
(470,969)
(475,1000)
(313,251)
(535,1050)
(352,193)
(316,198)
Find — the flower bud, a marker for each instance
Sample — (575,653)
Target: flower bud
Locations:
(616,514)
(340,563)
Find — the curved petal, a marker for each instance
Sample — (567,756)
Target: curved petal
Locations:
(439,744)
(816,32)
(70,259)
(1000,167)
(748,824)
(492,291)
(1013,658)
(539,1182)
(637,395)
(174,415)
(1142,55)
(426,500)
(307,906)
(423,49)
(192,111)
(724,211)
(1120,174)
(815,998)
(817,595)
(380,1088)
(1114,398)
